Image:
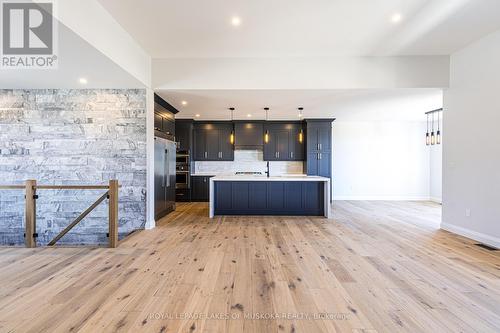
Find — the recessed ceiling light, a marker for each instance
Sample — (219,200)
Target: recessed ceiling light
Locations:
(396,18)
(184,103)
(197,115)
(249,115)
(83,80)
(236,21)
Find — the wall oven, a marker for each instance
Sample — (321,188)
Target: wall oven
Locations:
(182,171)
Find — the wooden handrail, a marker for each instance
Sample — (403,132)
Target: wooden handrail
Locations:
(72,187)
(57,187)
(12,187)
(31,187)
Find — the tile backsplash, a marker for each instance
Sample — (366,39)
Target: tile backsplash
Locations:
(248,160)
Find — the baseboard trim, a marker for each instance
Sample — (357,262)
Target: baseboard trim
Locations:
(436,200)
(474,235)
(380,198)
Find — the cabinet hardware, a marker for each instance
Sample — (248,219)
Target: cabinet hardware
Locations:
(317,146)
(291,154)
(278,154)
(206,154)
(320,156)
(157,129)
(320,146)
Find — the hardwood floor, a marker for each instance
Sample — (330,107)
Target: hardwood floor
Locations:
(375,267)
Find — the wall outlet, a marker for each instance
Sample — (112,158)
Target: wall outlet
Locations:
(467,212)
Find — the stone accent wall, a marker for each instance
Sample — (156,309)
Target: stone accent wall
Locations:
(72,137)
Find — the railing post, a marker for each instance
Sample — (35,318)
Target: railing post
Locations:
(113,213)
(30,213)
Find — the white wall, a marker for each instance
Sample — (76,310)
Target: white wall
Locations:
(380,160)
(436,173)
(471,156)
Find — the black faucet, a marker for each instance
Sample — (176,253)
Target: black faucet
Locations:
(267,171)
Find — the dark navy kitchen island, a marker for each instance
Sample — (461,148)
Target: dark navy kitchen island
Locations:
(259,195)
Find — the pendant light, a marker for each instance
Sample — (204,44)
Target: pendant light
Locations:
(231,137)
(438,134)
(266,135)
(301,133)
(433,137)
(427,136)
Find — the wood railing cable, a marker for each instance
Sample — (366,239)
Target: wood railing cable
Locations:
(31,187)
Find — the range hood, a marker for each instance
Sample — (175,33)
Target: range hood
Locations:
(249,135)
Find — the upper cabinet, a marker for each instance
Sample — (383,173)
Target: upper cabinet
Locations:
(184,135)
(319,136)
(164,122)
(284,141)
(212,141)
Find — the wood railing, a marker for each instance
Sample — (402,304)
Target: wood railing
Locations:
(31,188)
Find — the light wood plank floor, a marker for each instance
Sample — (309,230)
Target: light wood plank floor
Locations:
(375,267)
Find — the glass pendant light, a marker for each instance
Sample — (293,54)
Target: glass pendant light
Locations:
(438,134)
(427,136)
(231,137)
(266,135)
(301,133)
(433,137)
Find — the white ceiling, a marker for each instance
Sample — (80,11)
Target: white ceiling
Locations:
(77,59)
(277,28)
(345,105)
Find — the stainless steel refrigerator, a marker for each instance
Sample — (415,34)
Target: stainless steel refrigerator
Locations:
(165,151)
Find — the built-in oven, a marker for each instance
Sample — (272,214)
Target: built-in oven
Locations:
(182,170)
(182,158)
(182,179)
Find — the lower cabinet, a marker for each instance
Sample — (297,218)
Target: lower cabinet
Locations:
(319,164)
(269,198)
(182,195)
(200,187)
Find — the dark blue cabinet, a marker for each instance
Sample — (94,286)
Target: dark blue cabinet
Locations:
(200,186)
(184,135)
(319,136)
(319,148)
(276,201)
(257,198)
(294,196)
(284,141)
(319,164)
(223,196)
(212,142)
(297,142)
(269,198)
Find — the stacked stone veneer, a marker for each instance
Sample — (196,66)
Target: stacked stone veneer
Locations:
(72,137)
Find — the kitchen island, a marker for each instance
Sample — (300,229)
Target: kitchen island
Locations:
(277,195)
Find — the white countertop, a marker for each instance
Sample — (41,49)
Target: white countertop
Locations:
(295,178)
